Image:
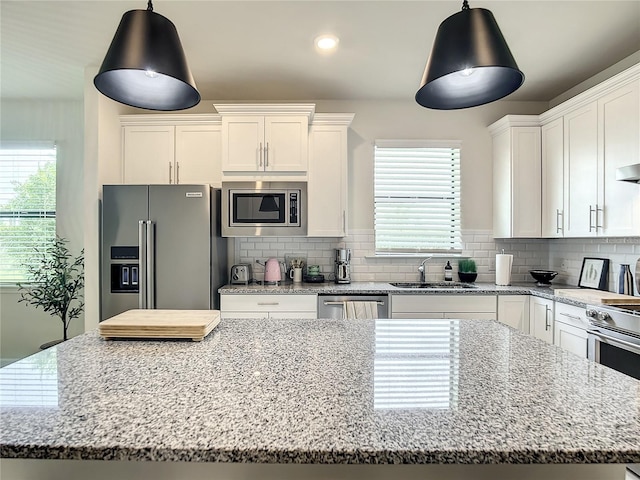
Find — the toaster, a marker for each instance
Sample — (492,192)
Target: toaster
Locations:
(241,274)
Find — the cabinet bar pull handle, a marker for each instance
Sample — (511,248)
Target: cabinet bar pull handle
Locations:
(266,155)
(547,323)
(177,172)
(268,303)
(571,316)
(260,153)
(559,224)
(169,172)
(342,303)
(591,212)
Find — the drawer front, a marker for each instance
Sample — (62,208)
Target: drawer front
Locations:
(443,303)
(261,303)
(571,315)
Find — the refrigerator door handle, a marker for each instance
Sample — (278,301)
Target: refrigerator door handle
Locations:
(142,259)
(151,265)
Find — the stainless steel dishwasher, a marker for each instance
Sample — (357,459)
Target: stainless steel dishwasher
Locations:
(332,306)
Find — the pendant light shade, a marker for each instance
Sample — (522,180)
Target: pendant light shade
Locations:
(145,65)
(470,63)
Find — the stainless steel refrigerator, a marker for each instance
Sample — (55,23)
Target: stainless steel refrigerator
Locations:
(161,248)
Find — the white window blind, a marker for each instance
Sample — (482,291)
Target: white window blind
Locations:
(27,205)
(417,197)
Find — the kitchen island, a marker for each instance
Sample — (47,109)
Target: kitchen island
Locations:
(318,399)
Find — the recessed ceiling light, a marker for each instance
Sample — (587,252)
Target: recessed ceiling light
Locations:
(326,43)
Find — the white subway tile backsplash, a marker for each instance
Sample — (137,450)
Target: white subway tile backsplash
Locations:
(564,255)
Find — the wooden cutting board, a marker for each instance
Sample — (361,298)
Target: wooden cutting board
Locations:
(589,295)
(193,324)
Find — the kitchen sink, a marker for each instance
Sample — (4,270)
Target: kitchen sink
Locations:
(432,285)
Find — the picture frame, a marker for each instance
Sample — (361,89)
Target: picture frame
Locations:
(594,273)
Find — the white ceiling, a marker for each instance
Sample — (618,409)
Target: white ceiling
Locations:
(263,50)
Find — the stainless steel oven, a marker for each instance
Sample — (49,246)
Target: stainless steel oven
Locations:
(614,338)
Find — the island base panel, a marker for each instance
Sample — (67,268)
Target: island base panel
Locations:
(23,469)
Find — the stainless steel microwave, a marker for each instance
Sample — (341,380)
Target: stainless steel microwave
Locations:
(269,209)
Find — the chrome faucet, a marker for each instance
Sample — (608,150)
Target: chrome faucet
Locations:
(422,270)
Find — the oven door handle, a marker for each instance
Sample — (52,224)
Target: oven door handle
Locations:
(612,340)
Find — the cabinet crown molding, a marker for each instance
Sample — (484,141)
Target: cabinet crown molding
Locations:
(171,119)
(343,119)
(509,121)
(307,109)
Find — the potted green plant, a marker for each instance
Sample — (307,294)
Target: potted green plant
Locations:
(467,270)
(56,281)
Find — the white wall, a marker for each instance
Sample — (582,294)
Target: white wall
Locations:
(407,120)
(102,166)
(23,328)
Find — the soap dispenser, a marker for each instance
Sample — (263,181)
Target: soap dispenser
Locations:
(448,272)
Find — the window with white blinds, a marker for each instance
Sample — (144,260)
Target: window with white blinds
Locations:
(27,205)
(417,197)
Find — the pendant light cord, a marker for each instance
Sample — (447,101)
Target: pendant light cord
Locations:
(465,5)
(150,5)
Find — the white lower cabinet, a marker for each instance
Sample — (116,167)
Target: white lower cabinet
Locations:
(570,330)
(541,318)
(513,310)
(481,307)
(268,306)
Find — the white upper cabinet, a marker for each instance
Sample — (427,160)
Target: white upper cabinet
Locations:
(265,138)
(516,177)
(198,149)
(327,184)
(148,153)
(597,132)
(553,179)
(582,212)
(165,149)
(618,146)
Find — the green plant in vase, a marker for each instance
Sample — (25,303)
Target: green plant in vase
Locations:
(55,283)
(467,271)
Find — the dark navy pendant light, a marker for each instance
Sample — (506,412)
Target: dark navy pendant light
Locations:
(470,63)
(145,65)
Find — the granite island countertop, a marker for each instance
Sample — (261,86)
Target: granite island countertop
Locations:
(321,392)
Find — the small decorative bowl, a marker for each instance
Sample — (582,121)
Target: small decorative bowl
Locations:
(467,277)
(543,277)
